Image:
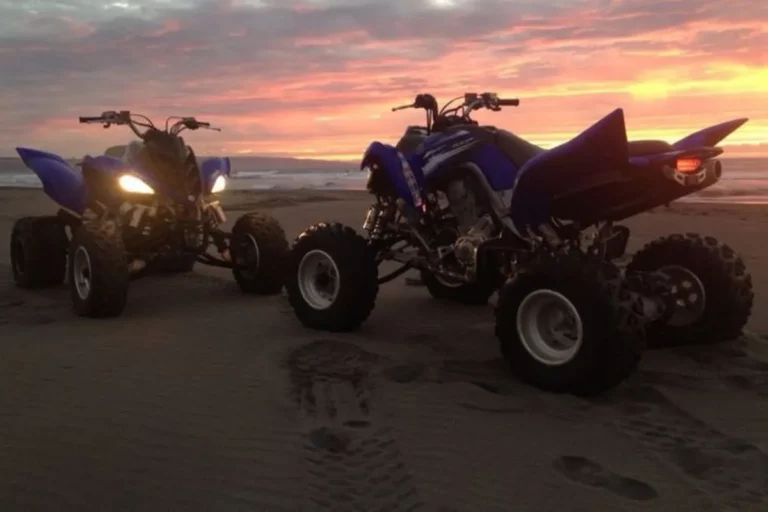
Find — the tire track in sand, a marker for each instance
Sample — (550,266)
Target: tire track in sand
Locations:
(353,460)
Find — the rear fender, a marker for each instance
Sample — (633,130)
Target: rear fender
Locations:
(406,179)
(61,182)
(212,168)
(710,136)
(600,150)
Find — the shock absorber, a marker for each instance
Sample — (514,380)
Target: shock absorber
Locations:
(370,219)
(376,220)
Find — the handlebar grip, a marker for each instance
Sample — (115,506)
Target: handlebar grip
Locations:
(90,119)
(509,103)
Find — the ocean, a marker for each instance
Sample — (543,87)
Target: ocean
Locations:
(745,180)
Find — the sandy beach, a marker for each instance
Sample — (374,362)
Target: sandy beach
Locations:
(202,398)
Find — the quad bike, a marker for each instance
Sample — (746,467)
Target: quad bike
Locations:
(478,209)
(142,208)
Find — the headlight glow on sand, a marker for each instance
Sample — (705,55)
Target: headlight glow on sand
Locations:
(134,185)
(219,185)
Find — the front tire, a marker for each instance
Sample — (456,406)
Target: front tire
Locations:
(602,336)
(332,279)
(259,249)
(711,287)
(38,252)
(98,271)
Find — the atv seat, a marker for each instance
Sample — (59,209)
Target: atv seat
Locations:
(518,150)
(648,147)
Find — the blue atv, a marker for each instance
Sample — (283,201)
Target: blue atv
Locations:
(138,209)
(478,209)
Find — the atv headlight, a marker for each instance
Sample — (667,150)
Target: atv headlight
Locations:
(134,185)
(219,185)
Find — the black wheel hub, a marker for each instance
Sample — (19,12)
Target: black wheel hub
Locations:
(323,280)
(685,295)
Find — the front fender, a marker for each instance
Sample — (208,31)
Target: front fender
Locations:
(212,168)
(61,182)
(406,181)
(711,135)
(115,167)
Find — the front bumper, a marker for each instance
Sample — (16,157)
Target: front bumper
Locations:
(149,218)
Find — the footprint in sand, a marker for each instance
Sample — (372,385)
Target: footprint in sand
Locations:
(731,471)
(588,472)
(354,462)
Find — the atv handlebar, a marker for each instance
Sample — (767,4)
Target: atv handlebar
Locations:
(489,100)
(472,101)
(124,117)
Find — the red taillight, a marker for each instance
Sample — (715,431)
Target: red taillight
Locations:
(688,164)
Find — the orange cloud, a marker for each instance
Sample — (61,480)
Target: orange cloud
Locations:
(318,80)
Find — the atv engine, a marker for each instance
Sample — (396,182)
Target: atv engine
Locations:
(475,225)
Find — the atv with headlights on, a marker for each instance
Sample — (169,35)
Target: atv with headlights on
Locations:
(142,208)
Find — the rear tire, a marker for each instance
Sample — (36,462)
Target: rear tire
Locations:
(98,271)
(332,278)
(717,269)
(259,243)
(607,341)
(38,252)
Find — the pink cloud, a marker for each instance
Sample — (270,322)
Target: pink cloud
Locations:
(292,78)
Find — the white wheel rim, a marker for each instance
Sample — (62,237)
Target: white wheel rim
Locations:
(318,279)
(249,243)
(688,294)
(550,327)
(81,272)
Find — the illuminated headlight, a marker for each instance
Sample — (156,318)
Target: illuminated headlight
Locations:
(219,185)
(134,185)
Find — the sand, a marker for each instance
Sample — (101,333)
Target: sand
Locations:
(201,398)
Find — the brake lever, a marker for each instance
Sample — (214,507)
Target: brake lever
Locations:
(403,107)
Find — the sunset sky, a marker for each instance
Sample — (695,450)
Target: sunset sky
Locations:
(317,78)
